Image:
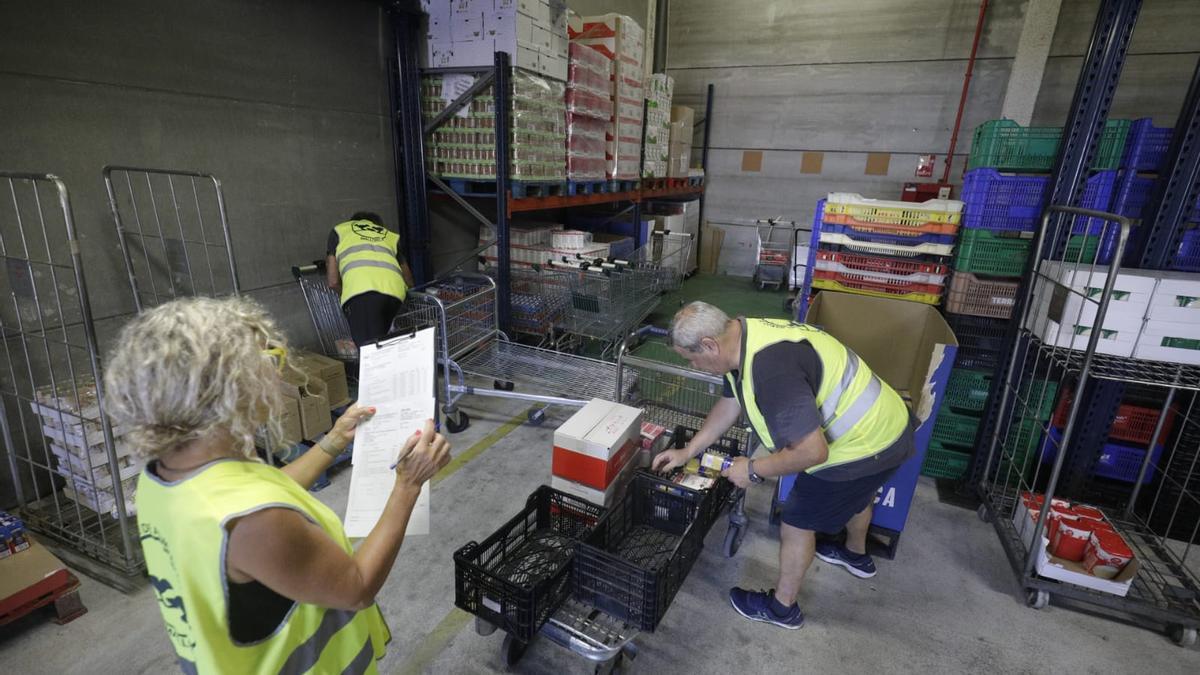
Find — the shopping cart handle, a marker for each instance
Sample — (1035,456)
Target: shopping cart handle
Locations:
(316,266)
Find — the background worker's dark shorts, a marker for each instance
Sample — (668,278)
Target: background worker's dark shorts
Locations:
(826,505)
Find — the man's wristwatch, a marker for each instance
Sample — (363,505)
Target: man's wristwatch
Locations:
(754,478)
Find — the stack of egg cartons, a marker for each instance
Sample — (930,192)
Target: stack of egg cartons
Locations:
(621,40)
(589,111)
(70,418)
(659,91)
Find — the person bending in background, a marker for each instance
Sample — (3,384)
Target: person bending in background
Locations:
(364,264)
(826,418)
(252,573)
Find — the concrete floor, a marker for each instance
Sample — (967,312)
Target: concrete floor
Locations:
(947,604)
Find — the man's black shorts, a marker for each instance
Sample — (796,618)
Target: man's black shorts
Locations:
(370,316)
(827,505)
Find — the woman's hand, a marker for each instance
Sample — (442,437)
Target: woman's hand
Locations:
(343,430)
(423,455)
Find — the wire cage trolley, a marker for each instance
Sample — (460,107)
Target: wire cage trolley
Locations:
(1071,333)
(173,232)
(73,476)
(325,308)
(591,579)
(463,308)
(774,252)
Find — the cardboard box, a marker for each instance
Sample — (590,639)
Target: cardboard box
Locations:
(1176,298)
(1053,567)
(30,575)
(1169,341)
(596,443)
(605,497)
(331,371)
(710,249)
(910,347)
(1118,337)
(313,402)
(466,27)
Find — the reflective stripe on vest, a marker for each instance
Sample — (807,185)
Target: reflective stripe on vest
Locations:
(366,259)
(182,528)
(860,414)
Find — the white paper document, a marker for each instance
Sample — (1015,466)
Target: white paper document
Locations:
(396,378)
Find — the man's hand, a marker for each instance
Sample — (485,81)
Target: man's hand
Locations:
(738,472)
(669,460)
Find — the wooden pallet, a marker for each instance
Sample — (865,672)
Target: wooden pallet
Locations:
(48,582)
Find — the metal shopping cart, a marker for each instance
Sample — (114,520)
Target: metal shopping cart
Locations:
(774,252)
(609,299)
(540,298)
(325,308)
(463,308)
(670,395)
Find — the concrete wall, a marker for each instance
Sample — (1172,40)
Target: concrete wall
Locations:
(848,79)
(284,100)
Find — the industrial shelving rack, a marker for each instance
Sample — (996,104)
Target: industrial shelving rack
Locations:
(414,183)
(1174,193)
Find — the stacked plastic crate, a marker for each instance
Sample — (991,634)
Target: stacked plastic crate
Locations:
(589,108)
(1003,192)
(887,249)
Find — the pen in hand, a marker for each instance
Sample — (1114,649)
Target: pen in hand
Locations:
(405,452)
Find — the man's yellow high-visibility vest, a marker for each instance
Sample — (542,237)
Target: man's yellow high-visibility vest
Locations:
(860,414)
(182,527)
(366,260)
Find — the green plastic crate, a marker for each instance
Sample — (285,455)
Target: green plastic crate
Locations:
(1007,146)
(945,463)
(1082,247)
(987,252)
(967,390)
(955,429)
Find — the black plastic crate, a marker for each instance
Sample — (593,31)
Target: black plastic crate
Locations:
(634,562)
(978,333)
(519,575)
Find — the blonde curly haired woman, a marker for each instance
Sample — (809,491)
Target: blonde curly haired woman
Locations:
(251,572)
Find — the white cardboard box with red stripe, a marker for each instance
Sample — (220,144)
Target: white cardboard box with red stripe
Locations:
(595,446)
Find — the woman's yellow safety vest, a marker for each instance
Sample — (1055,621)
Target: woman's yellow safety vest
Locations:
(860,414)
(366,260)
(182,527)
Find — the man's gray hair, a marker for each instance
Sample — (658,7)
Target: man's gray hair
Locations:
(696,321)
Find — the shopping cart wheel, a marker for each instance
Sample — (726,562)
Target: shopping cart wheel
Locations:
(512,650)
(1036,598)
(503,386)
(983,513)
(456,422)
(1182,636)
(536,416)
(733,539)
(788,304)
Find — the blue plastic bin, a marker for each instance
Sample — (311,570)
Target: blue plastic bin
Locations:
(1187,258)
(1000,201)
(1118,462)
(1146,146)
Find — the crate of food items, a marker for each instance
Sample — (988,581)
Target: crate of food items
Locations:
(1078,545)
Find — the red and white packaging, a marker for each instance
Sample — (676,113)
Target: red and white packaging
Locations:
(1070,538)
(1107,554)
(595,444)
(605,497)
(654,441)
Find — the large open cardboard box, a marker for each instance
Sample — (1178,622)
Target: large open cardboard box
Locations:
(911,347)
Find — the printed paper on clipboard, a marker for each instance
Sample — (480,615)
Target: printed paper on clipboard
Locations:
(396,377)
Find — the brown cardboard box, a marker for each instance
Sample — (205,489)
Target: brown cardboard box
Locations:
(314,404)
(332,371)
(32,572)
(710,249)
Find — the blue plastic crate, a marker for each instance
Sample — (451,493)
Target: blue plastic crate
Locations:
(998,201)
(1118,462)
(1187,258)
(883,238)
(1133,192)
(1146,146)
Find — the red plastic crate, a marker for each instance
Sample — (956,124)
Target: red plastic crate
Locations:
(875,284)
(1133,423)
(870,263)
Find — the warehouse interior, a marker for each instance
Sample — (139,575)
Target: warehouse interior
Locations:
(277,120)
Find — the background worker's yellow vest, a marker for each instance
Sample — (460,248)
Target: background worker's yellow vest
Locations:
(366,260)
(860,414)
(182,529)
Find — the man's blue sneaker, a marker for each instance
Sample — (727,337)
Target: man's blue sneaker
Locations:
(756,606)
(860,565)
